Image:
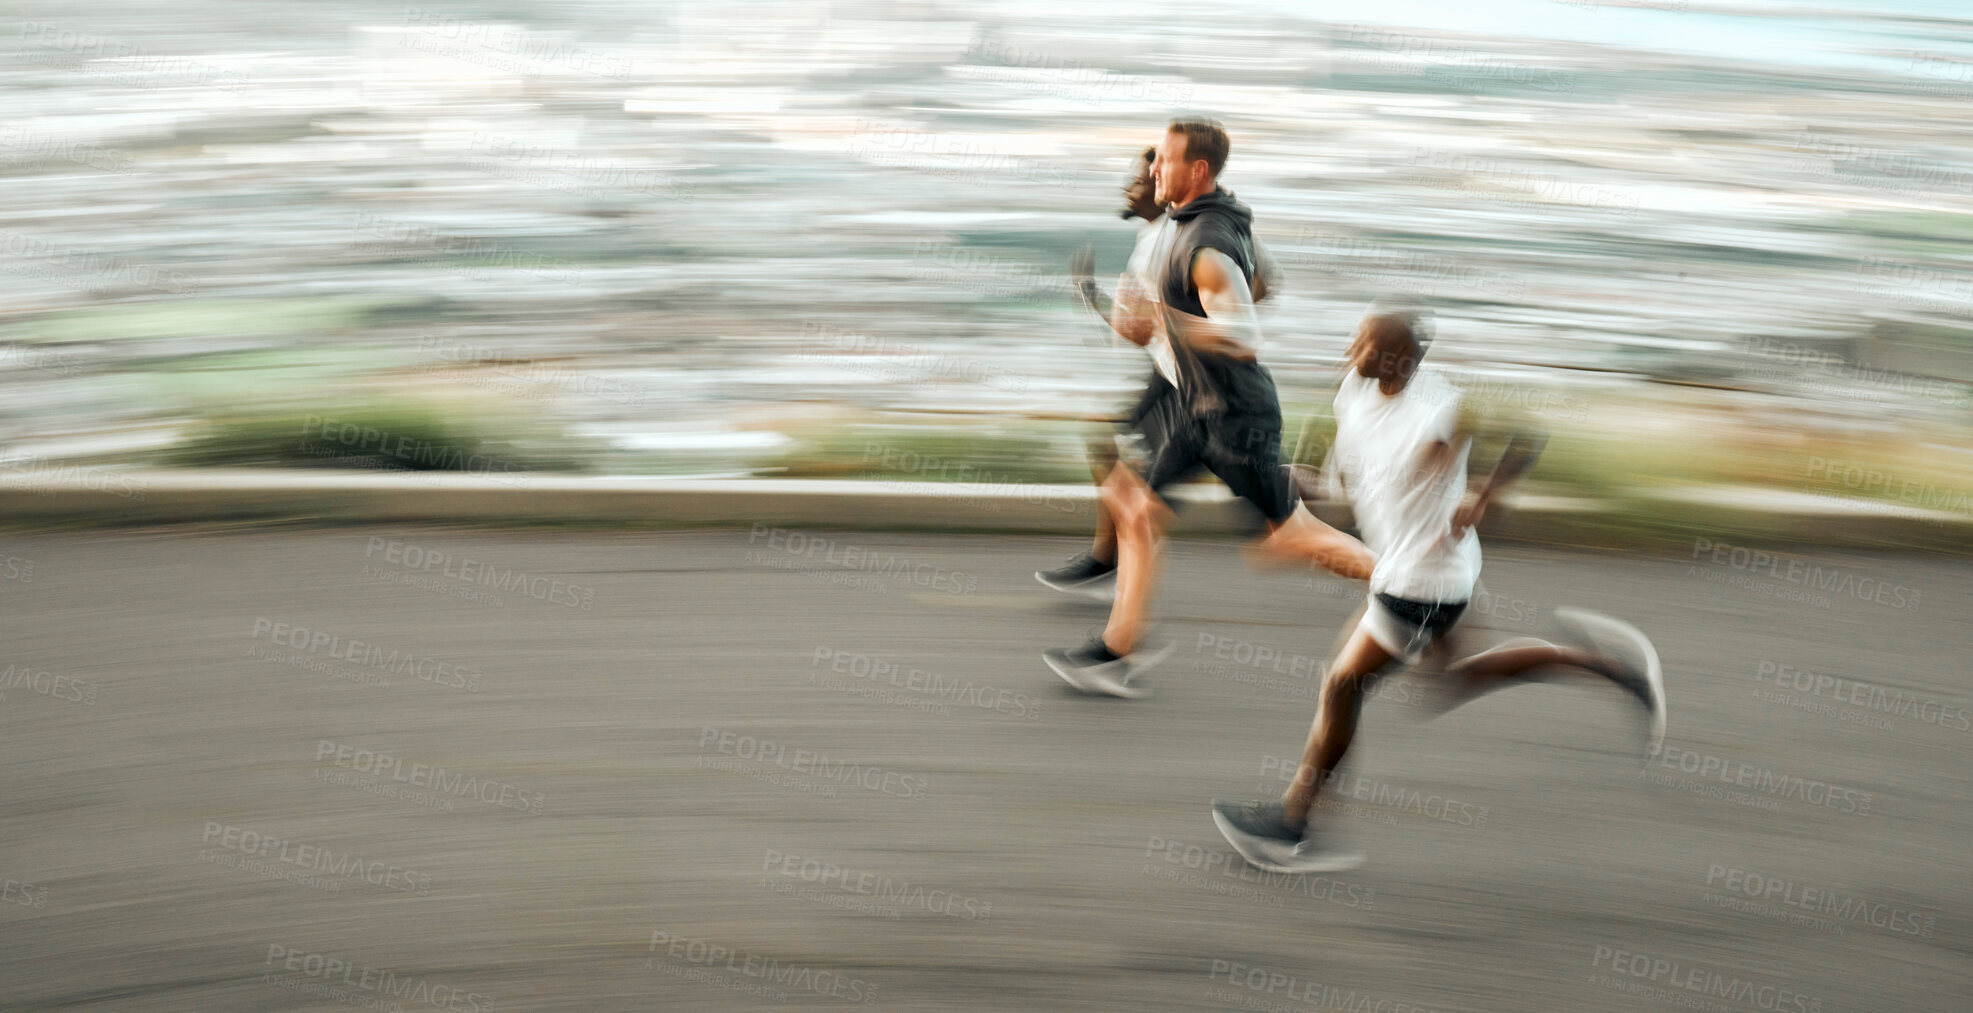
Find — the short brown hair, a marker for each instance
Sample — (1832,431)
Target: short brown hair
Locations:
(1205,141)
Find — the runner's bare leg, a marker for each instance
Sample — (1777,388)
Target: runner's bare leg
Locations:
(1140,518)
(1302,539)
(1361,660)
(1343,686)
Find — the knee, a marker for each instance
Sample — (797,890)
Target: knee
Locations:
(1130,505)
(1134,516)
(1116,499)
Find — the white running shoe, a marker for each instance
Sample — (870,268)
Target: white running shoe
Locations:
(1630,648)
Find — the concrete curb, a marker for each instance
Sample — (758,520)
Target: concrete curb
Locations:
(101,496)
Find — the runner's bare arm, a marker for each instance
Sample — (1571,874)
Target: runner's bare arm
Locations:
(1523,449)
(1229,327)
(1129,315)
(1267,273)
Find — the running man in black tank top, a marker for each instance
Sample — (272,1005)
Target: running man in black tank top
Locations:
(1223,414)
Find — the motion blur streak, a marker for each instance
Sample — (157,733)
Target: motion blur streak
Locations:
(357,361)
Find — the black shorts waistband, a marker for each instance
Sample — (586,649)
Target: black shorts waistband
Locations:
(1435,617)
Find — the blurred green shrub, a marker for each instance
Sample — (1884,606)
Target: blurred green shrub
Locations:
(404,432)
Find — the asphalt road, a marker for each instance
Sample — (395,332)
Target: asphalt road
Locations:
(732,770)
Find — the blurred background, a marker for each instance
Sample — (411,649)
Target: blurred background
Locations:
(1705,243)
(1718,250)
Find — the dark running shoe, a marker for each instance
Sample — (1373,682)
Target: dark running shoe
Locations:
(1083,574)
(1637,661)
(1260,832)
(1094,668)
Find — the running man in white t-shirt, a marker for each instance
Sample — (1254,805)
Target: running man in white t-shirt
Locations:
(1400,455)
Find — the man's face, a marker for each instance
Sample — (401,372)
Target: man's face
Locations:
(1171,173)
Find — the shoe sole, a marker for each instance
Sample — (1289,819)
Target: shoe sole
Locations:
(1139,663)
(1341,862)
(1102,589)
(1654,673)
(1102,683)
(1099,682)
(1068,673)
(1090,681)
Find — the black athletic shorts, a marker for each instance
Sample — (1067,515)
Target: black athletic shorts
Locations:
(1434,617)
(1406,628)
(1242,445)
(1156,389)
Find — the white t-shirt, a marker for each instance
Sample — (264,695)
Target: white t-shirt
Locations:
(1147,261)
(1403,506)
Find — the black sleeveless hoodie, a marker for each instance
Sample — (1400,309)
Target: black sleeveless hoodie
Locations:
(1213,384)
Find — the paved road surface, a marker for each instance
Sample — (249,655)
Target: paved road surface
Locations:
(629,771)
